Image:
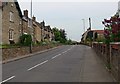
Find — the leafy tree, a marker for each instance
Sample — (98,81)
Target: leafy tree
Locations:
(112,29)
(57,34)
(60,35)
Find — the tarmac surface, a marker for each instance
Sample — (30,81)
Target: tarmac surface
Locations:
(68,63)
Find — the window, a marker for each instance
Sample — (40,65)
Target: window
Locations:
(29,23)
(20,22)
(11,34)
(11,16)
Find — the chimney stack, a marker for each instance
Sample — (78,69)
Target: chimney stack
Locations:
(26,13)
(34,18)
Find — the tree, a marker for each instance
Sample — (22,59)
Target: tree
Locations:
(112,29)
(25,40)
(60,35)
(57,34)
(63,36)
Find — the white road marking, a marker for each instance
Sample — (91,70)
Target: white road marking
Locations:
(69,49)
(64,52)
(53,57)
(47,60)
(59,55)
(56,56)
(8,79)
(37,65)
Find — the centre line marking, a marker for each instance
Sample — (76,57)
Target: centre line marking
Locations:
(56,56)
(53,57)
(64,52)
(8,79)
(37,65)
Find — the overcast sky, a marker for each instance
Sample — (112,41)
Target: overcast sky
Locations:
(68,15)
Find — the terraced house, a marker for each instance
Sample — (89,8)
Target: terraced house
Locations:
(11,22)
(37,31)
(42,25)
(14,25)
(27,25)
(49,33)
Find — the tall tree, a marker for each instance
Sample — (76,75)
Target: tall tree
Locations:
(60,35)
(63,36)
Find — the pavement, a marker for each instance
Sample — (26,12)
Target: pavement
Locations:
(69,63)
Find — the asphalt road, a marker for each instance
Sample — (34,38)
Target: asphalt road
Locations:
(71,63)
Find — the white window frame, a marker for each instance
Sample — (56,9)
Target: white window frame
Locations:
(11,32)
(29,23)
(11,16)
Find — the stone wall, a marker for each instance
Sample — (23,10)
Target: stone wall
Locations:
(115,60)
(9,53)
(110,55)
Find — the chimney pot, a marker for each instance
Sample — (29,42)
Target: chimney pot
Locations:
(26,13)
(34,18)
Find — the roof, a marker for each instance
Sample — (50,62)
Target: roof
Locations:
(99,31)
(38,24)
(18,8)
(2,4)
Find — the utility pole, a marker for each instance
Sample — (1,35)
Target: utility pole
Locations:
(31,29)
(83,24)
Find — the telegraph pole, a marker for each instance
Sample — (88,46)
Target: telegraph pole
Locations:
(31,29)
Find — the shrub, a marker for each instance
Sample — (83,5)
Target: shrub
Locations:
(25,40)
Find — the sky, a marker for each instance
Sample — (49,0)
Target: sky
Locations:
(68,14)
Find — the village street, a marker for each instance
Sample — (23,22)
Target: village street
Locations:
(60,41)
(70,63)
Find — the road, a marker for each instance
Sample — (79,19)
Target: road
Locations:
(70,63)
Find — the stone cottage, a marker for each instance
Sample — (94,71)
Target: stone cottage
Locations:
(27,25)
(11,22)
(37,31)
(42,31)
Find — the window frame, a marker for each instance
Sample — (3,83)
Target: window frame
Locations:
(11,32)
(11,16)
